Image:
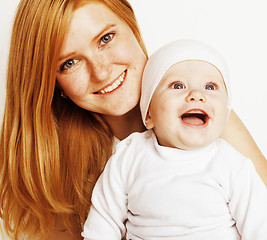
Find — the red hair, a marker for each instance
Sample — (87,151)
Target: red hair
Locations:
(52,151)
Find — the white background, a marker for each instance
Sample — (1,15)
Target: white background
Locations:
(237,28)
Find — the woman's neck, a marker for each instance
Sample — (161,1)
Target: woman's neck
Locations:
(123,126)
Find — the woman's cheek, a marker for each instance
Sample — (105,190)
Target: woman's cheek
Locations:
(76,83)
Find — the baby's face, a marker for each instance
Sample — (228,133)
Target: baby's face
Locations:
(188,109)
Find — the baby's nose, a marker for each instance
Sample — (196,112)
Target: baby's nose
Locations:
(196,96)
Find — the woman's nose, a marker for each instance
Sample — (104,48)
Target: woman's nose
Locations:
(100,68)
(195,96)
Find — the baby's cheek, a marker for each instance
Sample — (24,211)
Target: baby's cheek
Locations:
(167,106)
(163,109)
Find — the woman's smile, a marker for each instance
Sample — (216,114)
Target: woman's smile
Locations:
(114,85)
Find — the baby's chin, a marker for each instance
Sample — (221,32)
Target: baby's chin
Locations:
(196,142)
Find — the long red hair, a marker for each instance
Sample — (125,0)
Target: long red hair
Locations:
(52,151)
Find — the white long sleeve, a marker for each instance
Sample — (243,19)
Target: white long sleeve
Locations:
(248,203)
(164,193)
(109,205)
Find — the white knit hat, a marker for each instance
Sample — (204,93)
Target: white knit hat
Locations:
(172,53)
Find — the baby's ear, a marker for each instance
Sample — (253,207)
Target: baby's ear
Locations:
(149,122)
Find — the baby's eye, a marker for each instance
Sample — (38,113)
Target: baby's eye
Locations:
(178,85)
(68,64)
(210,86)
(106,39)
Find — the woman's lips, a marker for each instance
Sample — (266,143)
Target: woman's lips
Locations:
(195,118)
(114,85)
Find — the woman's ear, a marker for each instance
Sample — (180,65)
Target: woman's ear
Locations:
(149,122)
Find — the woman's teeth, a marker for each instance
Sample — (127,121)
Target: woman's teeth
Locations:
(114,85)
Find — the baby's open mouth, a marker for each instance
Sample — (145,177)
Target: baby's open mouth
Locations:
(195,118)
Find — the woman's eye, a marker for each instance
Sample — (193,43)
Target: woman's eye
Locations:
(210,86)
(178,85)
(106,39)
(68,64)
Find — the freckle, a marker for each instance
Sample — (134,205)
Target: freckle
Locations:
(163,108)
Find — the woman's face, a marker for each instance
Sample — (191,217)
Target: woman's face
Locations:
(101,63)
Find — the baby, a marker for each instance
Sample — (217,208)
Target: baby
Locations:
(178,180)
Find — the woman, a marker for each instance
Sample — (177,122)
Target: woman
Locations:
(73,83)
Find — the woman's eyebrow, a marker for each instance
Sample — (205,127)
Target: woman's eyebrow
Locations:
(66,56)
(108,26)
